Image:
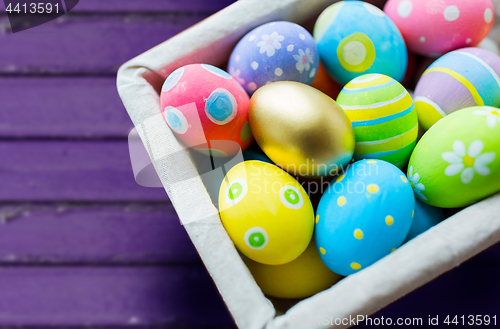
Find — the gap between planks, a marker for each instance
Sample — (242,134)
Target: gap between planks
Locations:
(62,234)
(86,44)
(69,296)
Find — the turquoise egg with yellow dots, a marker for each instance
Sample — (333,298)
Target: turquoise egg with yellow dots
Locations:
(356,38)
(364,215)
(383,117)
(266,212)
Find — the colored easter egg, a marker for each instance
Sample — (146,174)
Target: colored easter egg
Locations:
(324,83)
(462,78)
(363,216)
(302,277)
(383,116)
(301,129)
(266,212)
(212,169)
(356,38)
(276,51)
(433,28)
(457,161)
(424,218)
(207,109)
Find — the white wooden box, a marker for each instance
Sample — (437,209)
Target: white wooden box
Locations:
(414,264)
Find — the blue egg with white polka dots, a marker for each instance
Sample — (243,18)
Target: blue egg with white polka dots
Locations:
(276,51)
(364,215)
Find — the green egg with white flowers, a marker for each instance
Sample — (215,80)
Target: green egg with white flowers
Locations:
(457,161)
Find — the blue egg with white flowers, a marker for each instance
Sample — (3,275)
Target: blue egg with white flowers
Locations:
(276,51)
(364,215)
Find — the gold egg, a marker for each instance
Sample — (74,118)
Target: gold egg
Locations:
(301,129)
(303,277)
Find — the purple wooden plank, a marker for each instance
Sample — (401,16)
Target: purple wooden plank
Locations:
(70,171)
(62,107)
(86,44)
(172,296)
(467,290)
(151,5)
(98,6)
(62,233)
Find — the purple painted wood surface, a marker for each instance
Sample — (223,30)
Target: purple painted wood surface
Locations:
(80,242)
(490,256)
(81,171)
(171,296)
(109,233)
(96,44)
(93,234)
(78,221)
(467,290)
(62,107)
(124,6)
(209,6)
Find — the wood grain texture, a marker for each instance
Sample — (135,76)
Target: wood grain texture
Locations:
(81,244)
(88,45)
(93,234)
(174,297)
(81,171)
(59,107)
(70,264)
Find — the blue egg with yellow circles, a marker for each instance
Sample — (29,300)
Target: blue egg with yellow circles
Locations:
(364,215)
(356,38)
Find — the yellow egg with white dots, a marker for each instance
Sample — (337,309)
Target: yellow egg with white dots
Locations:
(266,212)
(364,216)
(302,277)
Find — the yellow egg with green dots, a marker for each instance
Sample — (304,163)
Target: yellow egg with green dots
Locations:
(383,117)
(302,277)
(266,212)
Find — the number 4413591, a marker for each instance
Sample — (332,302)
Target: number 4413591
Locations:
(471,320)
(33,8)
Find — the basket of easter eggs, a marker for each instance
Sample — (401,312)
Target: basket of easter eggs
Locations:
(329,161)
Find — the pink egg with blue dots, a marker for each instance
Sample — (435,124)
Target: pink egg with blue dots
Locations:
(433,28)
(276,51)
(207,109)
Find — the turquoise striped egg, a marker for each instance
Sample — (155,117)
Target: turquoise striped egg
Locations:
(462,78)
(383,117)
(356,38)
